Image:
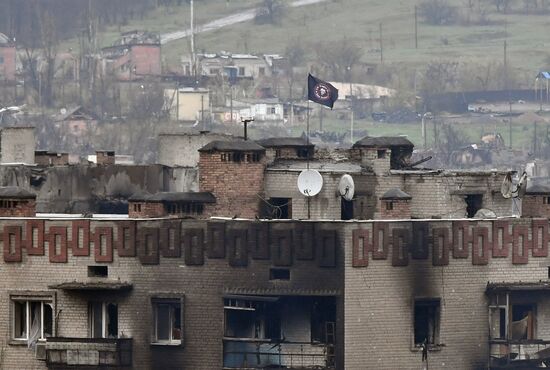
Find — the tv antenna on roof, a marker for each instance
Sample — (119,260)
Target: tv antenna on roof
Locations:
(346,187)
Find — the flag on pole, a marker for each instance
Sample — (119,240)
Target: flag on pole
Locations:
(321,92)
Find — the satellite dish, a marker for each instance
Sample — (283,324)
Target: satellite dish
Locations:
(63,111)
(310,182)
(485,213)
(509,190)
(346,187)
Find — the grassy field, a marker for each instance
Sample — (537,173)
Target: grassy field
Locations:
(358,21)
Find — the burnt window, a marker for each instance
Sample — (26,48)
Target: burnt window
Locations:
(381,153)
(323,320)
(252,319)
(280,208)
(32,318)
(167,325)
(426,321)
(474,203)
(103,319)
(523,322)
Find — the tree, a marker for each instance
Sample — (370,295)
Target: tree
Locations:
(502,5)
(338,61)
(438,12)
(294,57)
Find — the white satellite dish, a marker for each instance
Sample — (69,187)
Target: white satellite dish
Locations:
(310,182)
(507,186)
(346,187)
(485,213)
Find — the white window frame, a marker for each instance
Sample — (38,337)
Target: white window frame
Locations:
(171,303)
(27,302)
(104,314)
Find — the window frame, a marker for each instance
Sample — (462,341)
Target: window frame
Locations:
(104,315)
(426,301)
(44,297)
(170,300)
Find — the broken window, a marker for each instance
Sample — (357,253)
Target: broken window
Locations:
(426,321)
(323,320)
(381,153)
(103,320)
(474,202)
(523,321)
(246,318)
(279,208)
(303,152)
(32,320)
(167,321)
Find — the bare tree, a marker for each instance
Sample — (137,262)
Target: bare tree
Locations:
(270,12)
(294,57)
(338,61)
(502,5)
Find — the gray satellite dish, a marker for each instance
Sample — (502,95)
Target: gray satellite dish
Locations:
(346,187)
(310,182)
(509,190)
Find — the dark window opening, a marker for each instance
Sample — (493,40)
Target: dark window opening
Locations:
(167,321)
(279,274)
(98,271)
(474,202)
(252,319)
(389,206)
(185,208)
(497,320)
(103,320)
(523,321)
(303,153)
(346,209)
(546,200)
(278,153)
(381,154)
(241,71)
(323,319)
(280,208)
(137,207)
(426,321)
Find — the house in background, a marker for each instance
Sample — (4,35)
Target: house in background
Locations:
(232,66)
(188,104)
(270,109)
(134,56)
(7,59)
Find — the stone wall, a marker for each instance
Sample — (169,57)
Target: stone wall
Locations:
(18,145)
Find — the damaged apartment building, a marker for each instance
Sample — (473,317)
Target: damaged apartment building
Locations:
(238,270)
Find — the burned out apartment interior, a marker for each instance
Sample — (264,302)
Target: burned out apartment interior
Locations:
(214,258)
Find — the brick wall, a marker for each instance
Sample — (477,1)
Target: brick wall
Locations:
(535,206)
(22,208)
(380,166)
(400,210)
(146,60)
(203,263)
(52,159)
(237,186)
(146,209)
(105,158)
(7,68)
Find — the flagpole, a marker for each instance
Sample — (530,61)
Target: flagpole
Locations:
(308,154)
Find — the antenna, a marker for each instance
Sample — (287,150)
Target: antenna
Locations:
(346,187)
(310,183)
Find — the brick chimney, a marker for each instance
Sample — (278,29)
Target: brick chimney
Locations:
(382,154)
(16,202)
(395,205)
(233,171)
(105,157)
(536,202)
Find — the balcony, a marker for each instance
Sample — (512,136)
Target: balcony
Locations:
(261,354)
(77,352)
(519,354)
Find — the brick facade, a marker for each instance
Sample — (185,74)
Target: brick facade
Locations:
(105,157)
(395,209)
(237,186)
(535,206)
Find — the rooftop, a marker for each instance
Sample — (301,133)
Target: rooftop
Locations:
(232,145)
(283,141)
(198,197)
(383,142)
(538,189)
(395,194)
(15,193)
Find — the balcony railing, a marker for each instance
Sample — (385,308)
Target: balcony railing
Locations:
(88,352)
(260,354)
(518,353)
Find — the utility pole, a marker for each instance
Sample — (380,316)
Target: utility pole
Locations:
(193,57)
(510,122)
(535,139)
(321,112)
(231,102)
(415,27)
(202,112)
(381,44)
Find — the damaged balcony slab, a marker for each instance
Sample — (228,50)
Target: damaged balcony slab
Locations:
(64,353)
(92,285)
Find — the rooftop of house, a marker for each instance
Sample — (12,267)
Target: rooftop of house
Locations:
(295,165)
(383,142)
(13,192)
(395,194)
(232,145)
(276,142)
(538,189)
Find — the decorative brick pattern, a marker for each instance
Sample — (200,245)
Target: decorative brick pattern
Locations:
(103,236)
(193,247)
(57,239)
(539,247)
(400,247)
(441,246)
(237,248)
(303,236)
(126,239)
(216,240)
(380,241)
(258,240)
(521,245)
(35,247)
(170,240)
(501,238)
(326,247)
(148,245)
(420,241)
(12,243)
(78,247)
(461,239)
(480,246)
(281,247)
(361,248)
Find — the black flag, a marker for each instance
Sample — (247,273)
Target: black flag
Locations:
(321,92)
